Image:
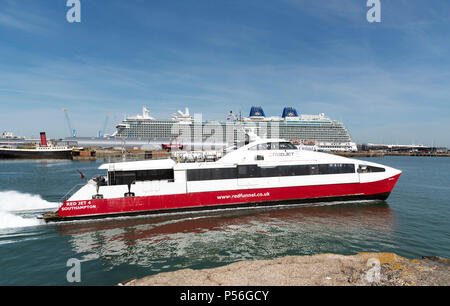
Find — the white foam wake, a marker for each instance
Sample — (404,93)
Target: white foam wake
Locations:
(9,220)
(13,201)
(17,201)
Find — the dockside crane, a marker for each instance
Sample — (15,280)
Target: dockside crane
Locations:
(72,132)
(101,133)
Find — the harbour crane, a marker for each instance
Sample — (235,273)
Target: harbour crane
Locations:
(72,132)
(101,133)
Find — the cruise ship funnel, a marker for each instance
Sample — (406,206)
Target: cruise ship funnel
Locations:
(257,111)
(289,111)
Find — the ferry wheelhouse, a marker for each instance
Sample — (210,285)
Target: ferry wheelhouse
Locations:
(262,173)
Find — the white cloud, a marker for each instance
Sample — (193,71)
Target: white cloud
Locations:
(18,16)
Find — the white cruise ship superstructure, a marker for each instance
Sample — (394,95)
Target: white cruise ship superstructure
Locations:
(320,131)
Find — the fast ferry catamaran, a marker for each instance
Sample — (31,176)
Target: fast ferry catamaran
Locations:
(264,172)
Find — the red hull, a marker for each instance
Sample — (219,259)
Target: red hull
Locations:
(218,199)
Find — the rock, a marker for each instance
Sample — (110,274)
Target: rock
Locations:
(363,269)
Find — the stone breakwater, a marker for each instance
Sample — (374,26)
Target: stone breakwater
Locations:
(363,269)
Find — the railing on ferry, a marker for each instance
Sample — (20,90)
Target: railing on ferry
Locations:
(71,192)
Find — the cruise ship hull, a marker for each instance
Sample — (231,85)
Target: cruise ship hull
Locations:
(239,198)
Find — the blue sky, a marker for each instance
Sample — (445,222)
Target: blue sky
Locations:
(388,82)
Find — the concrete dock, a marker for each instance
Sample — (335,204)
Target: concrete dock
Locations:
(382,154)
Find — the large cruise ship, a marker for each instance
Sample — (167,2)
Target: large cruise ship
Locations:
(318,131)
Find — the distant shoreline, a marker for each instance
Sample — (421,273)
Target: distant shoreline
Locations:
(141,154)
(91,154)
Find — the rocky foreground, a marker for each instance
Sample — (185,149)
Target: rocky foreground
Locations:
(379,269)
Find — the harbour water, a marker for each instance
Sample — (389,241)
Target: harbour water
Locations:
(413,222)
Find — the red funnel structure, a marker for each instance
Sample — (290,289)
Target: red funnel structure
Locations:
(43,139)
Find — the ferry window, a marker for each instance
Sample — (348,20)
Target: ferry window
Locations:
(323,169)
(274,146)
(349,168)
(287,146)
(268,171)
(260,147)
(362,169)
(263,146)
(248,171)
(122,178)
(242,171)
(223,173)
(198,175)
(336,168)
(302,170)
(129,177)
(253,171)
(294,170)
(285,171)
(369,169)
(376,169)
(191,175)
(154,175)
(211,174)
